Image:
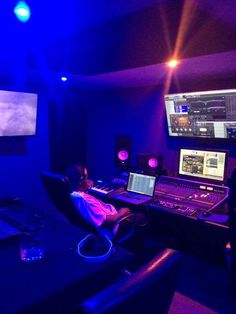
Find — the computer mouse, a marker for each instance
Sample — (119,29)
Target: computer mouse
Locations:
(206,214)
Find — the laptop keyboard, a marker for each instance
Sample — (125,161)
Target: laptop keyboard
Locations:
(135,196)
(132,196)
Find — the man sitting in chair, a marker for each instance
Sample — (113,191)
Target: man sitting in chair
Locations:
(93,209)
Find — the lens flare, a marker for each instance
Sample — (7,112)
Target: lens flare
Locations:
(172,63)
(22,11)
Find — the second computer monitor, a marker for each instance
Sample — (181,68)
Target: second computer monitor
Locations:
(203,164)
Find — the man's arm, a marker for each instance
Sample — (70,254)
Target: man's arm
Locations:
(121,213)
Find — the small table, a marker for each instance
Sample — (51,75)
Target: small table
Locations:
(59,282)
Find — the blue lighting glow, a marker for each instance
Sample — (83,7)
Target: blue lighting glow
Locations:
(22,11)
(64,78)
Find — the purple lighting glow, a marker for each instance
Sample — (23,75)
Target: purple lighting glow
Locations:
(123,155)
(153,162)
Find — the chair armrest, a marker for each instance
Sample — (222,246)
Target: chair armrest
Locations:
(163,266)
(123,220)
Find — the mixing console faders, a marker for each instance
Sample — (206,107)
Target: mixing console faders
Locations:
(174,206)
(187,197)
(180,208)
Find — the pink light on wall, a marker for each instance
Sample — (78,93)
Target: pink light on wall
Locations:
(153,162)
(123,155)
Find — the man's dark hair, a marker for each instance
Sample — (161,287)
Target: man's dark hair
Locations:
(76,175)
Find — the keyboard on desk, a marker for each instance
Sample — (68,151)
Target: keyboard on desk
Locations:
(100,189)
(104,188)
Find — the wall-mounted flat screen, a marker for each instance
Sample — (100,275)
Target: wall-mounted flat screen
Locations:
(209,114)
(18,113)
(204,164)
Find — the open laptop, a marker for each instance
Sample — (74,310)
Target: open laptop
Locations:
(140,189)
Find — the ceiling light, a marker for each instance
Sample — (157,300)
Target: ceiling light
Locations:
(22,11)
(172,63)
(64,78)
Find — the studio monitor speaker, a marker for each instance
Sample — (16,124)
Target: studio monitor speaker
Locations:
(149,163)
(123,151)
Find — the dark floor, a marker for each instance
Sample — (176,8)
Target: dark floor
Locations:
(206,283)
(203,285)
(182,304)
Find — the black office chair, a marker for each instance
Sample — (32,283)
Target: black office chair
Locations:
(58,188)
(148,290)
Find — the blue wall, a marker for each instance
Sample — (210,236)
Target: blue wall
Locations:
(23,158)
(122,112)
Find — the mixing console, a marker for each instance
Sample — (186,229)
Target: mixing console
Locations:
(187,197)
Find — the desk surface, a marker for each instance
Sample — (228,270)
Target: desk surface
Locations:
(58,282)
(187,198)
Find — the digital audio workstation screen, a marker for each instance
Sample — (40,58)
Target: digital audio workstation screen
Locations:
(140,183)
(210,114)
(202,164)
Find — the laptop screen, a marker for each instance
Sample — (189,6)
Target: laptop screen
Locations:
(209,165)
(141,183)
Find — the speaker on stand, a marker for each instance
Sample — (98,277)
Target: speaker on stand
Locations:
(123,152)
(123,148)
(150,164)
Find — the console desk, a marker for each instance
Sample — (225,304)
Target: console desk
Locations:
(191,233)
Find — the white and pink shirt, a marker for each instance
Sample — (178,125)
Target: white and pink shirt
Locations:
(91,208)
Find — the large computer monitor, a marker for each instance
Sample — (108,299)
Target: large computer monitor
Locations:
(18,113)
(203,164)
(208,114)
